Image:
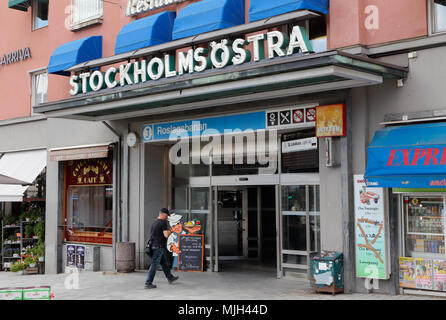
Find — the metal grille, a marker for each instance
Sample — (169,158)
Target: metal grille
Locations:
(85,10)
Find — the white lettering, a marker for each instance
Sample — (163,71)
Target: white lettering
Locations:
(221,54)
(75,85)
(140,6)
(85,85)
(277,42)
(200,56)
(298,41)
(258,47)
(155,69)
(124,76)
(97,81)
(186,62)
(110,78)
(240,55)
(372,20)
(140,71)
(169,61)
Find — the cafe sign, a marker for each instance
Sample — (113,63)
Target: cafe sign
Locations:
(135,7)
(220,55)
(90,172)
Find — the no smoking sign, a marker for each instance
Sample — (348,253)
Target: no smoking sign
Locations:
(311,114)
(298,116)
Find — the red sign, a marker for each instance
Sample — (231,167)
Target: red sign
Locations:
(311,114)
(411,157)
(90,172)
(298,116)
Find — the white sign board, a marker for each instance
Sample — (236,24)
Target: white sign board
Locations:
(371,231)
(299,145)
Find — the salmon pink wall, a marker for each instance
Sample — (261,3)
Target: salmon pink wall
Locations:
(397,20)
(15,82)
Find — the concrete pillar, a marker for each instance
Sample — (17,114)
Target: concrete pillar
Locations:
(53,218)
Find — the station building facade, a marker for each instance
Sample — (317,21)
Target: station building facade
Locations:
(110,89)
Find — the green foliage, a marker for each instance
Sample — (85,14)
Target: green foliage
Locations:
(35,212)
(17,266)
(29,230)
(37,251)
(29,260)
(39,230)
(7,220)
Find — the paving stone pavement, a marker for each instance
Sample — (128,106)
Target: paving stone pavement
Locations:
(193,286)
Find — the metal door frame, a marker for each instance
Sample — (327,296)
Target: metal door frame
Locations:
(307,180)
(215,245)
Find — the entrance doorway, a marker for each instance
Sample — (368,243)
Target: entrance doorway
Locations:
(245,228)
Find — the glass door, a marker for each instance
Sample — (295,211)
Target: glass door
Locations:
(193,204)
(232,220)
(424,224)
(300,221)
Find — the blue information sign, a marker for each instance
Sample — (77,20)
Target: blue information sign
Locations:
(207,126)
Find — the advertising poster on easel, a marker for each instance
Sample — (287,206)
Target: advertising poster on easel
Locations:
(423,274)
(439,267)
(370,231)
(407,272)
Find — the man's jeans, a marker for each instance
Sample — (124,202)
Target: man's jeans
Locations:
(159,257)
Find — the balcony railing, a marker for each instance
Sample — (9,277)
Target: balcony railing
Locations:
(85,10)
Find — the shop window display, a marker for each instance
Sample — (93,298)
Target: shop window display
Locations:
(89,201)
(424,226)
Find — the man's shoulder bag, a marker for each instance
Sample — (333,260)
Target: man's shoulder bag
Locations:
(149,249)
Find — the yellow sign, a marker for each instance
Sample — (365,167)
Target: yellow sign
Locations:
(330,121)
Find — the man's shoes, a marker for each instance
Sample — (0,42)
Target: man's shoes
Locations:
(150,286)
(171,280)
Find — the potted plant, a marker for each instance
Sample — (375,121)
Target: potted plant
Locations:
(9,220)
(39,251)
(39,230)
(29,231)
(30,261)
(18,267)
(35,213)
(24,216)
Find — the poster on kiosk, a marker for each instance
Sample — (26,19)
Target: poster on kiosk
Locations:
(370,231)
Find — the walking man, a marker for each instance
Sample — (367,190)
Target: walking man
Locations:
(160,232)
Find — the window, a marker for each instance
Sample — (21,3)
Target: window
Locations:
(89,201)
(39,88)
(84,11)
(40,14)
(438,15)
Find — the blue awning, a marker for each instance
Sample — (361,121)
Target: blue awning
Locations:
(412,156)
(208,15)
(146,32)
(72,53)
(262,9)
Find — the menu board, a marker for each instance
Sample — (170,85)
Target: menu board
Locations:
(439,267)
(407,272)
(423,274)
(191,253)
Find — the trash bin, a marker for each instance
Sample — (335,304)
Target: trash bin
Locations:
(327,271)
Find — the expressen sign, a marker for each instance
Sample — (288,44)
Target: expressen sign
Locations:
(220,55)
